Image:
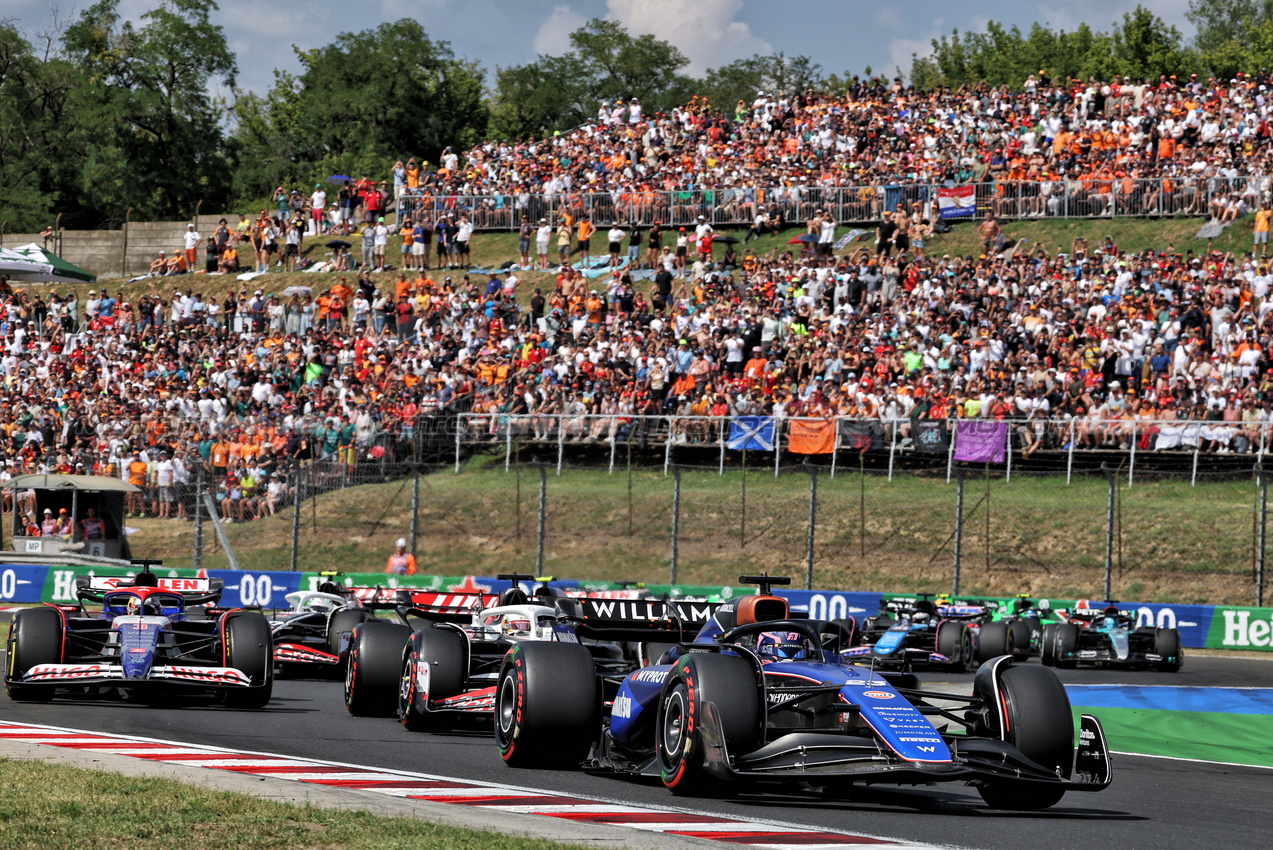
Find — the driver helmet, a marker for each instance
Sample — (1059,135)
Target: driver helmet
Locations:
(1021,605)
(515,624)
(782,646)
(134,605)
(920,617)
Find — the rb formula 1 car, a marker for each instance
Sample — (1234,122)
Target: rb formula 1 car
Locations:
(758,700)
(145,641)
(1100,634)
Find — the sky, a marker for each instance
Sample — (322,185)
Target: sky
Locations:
(840,35)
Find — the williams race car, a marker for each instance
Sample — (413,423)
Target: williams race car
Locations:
(760,699)
(146,640)
(1102,635)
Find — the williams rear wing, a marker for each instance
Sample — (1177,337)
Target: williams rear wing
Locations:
(636,620)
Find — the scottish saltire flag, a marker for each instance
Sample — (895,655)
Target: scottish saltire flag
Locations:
(751,432)
(958,202)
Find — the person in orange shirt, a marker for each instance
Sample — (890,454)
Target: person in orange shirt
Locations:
(401,562)
(594,306)
(137,469)
(585,234)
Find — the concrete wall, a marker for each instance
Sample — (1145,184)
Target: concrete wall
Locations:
(111,254)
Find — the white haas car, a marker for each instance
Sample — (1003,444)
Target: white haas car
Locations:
(445,662)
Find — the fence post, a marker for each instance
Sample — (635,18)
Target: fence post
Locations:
(459,426)
(508,445)
(676,520)
(612,444)
(561,442)
(892,445)
(835,445)
(296,512)
(1069,460)
(721,437)
(1262,537)
(1008,440)
(1193,481)
(950,451)
(777,445)
(198,517)
(539,532)
(1131,464)
(813,518)
(959,524)
(667,447)
(415,505)
(1109,529)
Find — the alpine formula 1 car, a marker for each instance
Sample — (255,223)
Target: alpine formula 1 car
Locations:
(1103,635)
(915,633)
(759,700)
(145,640)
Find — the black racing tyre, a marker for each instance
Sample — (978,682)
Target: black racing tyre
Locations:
(1047,645)
(955,642)
(35,637)
(729,682)
(547,704)
(1167,645)
(1036,632)
(374,672)
(1040,725)
(652,651)
(432,670)
(1019,639)
(249,648)
(1065,643)
(993,641)
(343,621)
(838,635)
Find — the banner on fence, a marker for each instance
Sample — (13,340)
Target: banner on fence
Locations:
(930,436)
(860,435)
(751,432)
(980,442)
(1200,626)
(811,436)
(957,202)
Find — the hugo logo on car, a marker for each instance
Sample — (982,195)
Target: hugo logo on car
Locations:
(759,698)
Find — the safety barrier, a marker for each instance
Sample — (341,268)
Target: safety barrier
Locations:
(1200,626)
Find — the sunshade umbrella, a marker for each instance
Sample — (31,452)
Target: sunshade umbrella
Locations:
(297,290)
(33,263)
(338,243)
(339,178)
(725,240)
(803,237)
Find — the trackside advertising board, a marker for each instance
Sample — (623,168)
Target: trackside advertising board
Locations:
(1200,626)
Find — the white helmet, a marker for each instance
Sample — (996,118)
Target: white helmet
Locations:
(402,542)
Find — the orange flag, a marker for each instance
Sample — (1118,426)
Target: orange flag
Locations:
(811,436)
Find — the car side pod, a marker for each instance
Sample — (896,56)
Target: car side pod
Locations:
(1028,708)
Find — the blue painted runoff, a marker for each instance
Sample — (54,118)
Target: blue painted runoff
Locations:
(1173,698)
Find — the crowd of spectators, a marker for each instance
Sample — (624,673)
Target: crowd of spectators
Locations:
(678,324)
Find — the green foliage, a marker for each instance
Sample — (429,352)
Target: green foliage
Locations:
(1142,45)
(606,64)
(29,90)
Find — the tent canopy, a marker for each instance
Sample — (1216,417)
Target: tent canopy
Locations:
(86,483)
(33,263)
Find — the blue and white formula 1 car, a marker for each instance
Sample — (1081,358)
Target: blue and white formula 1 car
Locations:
(912,633)
(145,640)
(760,699)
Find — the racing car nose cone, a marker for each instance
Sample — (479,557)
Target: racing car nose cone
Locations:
(137,639)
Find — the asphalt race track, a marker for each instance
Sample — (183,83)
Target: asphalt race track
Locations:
(1152,802)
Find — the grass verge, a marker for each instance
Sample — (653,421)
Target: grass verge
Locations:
(48,805)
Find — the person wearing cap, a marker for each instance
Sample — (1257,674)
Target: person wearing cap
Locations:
(380,243)
(317,205)
(191,245)
(48,526)
(401,562)
(543,233)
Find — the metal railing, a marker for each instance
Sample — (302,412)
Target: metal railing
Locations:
(1095,197)
(1121,439)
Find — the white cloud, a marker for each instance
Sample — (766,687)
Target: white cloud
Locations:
(553,37)
(705,30)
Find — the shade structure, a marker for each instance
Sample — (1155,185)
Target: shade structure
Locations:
(34,264)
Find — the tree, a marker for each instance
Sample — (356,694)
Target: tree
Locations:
(143,129)
(1222,22)
(606,64)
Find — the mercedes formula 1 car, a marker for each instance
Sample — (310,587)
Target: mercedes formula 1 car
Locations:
(1103,635)
(759,700)
(145,640)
